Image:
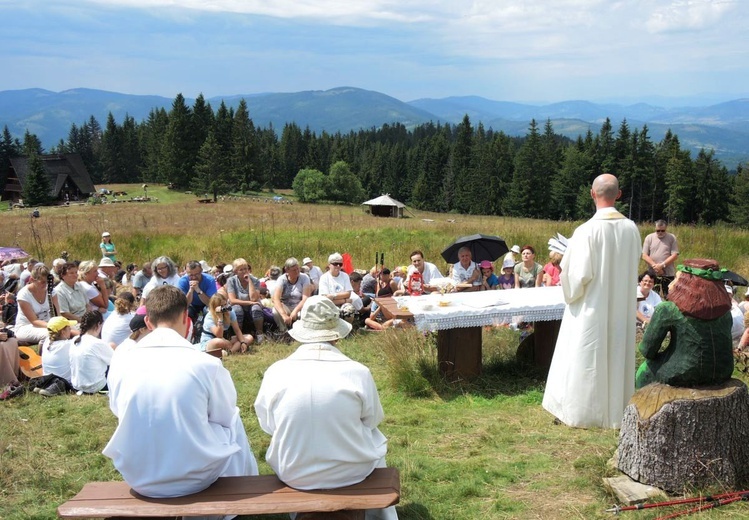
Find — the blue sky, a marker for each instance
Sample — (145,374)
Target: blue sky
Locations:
(527,51)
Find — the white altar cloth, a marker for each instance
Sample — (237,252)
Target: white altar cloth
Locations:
(477,309)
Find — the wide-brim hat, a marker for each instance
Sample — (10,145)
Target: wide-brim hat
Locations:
(306,260)
(106,262)
(515,249)
(320,321)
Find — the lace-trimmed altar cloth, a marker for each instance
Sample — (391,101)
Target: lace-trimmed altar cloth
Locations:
(478,309)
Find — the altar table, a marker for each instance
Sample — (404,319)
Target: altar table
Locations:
(458,319)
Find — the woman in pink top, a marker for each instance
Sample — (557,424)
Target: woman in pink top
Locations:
(552,269)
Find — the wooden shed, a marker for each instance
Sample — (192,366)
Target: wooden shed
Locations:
(385,206)
(68,177)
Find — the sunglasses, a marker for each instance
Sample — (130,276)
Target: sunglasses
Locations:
(337,264)
(660,230)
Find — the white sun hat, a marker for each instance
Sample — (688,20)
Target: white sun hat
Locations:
(320,321)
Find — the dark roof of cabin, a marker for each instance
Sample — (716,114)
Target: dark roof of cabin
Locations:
(59,168)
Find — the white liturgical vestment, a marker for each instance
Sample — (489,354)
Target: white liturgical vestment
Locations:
(322,410)
(179,426)
(592,373)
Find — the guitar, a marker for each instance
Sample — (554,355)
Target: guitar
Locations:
(30,362)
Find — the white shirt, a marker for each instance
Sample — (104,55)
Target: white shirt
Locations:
(40,309)
(156,281)
(462,274)
(56,358)
(116,328)
(179,427)
(737,327)
(322,411)
(330,284)
(430,272)
(314,274)
(647,306)
(89,360)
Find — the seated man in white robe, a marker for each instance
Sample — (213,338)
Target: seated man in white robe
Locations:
(179,426)
(322,409)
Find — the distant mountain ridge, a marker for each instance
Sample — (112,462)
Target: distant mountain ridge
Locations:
(723,127)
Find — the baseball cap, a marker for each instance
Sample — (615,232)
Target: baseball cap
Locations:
(106,234)
(58,323)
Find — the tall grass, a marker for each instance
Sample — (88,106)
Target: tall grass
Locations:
(479,449)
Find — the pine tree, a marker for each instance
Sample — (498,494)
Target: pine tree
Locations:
(524,198)
(460,166)
(9,148)
(36,189)
(244,150)
(111,150)
(178,154)
(740,205)
(211,175)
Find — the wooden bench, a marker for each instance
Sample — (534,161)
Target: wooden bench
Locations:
(256,495)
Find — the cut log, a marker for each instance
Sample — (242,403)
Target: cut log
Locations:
(679,438)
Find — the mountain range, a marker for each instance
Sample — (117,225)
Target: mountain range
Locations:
(723,127)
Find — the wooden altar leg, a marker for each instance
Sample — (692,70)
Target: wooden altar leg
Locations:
(545,333)
(459,353)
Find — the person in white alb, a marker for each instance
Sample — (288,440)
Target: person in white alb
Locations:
(179,427)
(322,409)
(591,377)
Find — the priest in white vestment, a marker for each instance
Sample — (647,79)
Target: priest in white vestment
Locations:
(322,409)
(179,427)
(592,373)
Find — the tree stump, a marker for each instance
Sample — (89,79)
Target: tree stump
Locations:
(675,438)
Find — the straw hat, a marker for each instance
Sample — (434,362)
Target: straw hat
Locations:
(320,321)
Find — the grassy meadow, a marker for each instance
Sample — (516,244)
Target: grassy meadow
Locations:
(483,449)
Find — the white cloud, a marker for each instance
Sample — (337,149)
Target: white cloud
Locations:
(689,15)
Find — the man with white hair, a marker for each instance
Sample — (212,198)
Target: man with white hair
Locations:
(57,265)
(335,284)
(322,409)
(466,271)
(314,273)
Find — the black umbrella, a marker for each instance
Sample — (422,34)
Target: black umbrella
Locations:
(483,247)
(736,278)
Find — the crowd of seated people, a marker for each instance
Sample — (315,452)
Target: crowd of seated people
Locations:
(250,306)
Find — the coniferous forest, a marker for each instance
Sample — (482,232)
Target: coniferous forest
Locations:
(462,168)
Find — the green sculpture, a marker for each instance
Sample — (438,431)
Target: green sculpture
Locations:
(697,316)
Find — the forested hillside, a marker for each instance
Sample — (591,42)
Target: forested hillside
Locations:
(450,168)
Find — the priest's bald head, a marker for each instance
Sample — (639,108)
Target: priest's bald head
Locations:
(605,190)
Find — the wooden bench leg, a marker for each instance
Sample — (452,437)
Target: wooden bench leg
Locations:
(333,515)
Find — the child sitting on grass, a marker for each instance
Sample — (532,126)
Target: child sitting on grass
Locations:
(220,318)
